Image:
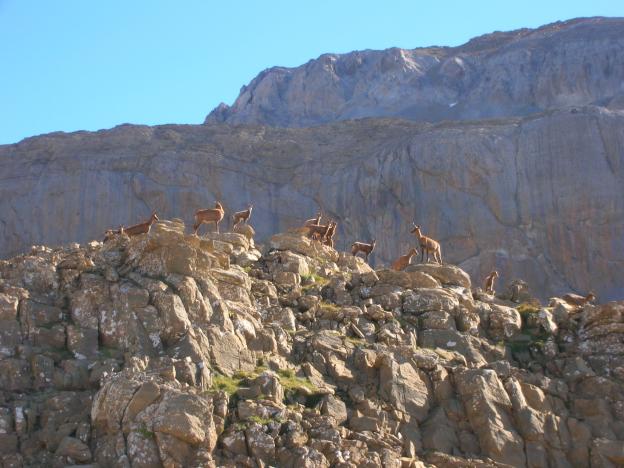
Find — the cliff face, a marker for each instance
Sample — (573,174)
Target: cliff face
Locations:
(536,198)
(501,74)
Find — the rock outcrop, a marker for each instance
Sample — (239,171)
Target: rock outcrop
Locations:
(503,74)
(173,350)
(535,198)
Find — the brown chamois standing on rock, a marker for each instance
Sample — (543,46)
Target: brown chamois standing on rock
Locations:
(404,260)
(142,228)
(329,235)
(317,231)
(242,215)
(577,300)
(489,282)
(363,247)
(427,245)
(209,215)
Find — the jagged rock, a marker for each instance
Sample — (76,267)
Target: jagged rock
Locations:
(228,352)
(487,407)
(167,249)
(266,384)
(383,370)
(74,449)
(173,316)
(503,322)
(405,387)
(246,230)
(302,245)
(424,300)
(446,274)
(352,263)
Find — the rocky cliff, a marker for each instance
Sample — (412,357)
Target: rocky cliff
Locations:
(537,197)
(173,350)
(502,74)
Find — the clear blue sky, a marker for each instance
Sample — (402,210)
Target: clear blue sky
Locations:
(91,64)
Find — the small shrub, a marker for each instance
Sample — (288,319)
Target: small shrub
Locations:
(147,434)
(527,308)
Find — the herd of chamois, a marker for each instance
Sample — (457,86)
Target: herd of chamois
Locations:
(325,233)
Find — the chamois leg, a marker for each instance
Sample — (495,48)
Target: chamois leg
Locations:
(422,256)
(217,226)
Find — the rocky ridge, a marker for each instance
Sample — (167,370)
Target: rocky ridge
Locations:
(503,74)
(534,198)
(173,350)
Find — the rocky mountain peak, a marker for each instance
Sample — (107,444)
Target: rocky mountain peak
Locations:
(502,74)
(170,349)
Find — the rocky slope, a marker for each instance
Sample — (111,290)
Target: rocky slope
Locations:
(536,197)
(515,73)
(173,350)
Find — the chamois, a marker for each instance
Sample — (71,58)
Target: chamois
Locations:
(363,247)
(427,245)
(317,231)
(329,235)
(242,215)
(489,282)
(404,260)
(209,215)
(142,228)
(577,300)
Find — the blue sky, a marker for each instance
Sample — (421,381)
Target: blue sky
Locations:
(79,64)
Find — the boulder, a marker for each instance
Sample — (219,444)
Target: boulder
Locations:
(424,300)
(503,322)
(302,245)
(446,274)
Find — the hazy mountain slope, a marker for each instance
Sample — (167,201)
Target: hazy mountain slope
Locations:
(502,74)
(535,197)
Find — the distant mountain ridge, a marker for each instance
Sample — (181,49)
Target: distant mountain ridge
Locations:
(502,74)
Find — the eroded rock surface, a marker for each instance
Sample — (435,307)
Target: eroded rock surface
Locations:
(162,350)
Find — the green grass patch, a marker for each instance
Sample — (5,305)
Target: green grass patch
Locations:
(356,341)
(327,306)
(230,385)
(527,308)
(313,281)
(292,383)
(147,434)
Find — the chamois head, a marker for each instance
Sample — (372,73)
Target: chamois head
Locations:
(495,274)
(591,297)
(218,206)
(412,252)
(415,229)
(153,218)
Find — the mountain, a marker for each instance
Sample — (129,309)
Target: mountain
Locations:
(503,74)
(534,197)
(535,192)
(172,350)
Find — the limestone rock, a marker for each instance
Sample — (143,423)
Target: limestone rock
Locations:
(302,245)
(490,76)
(445,274)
